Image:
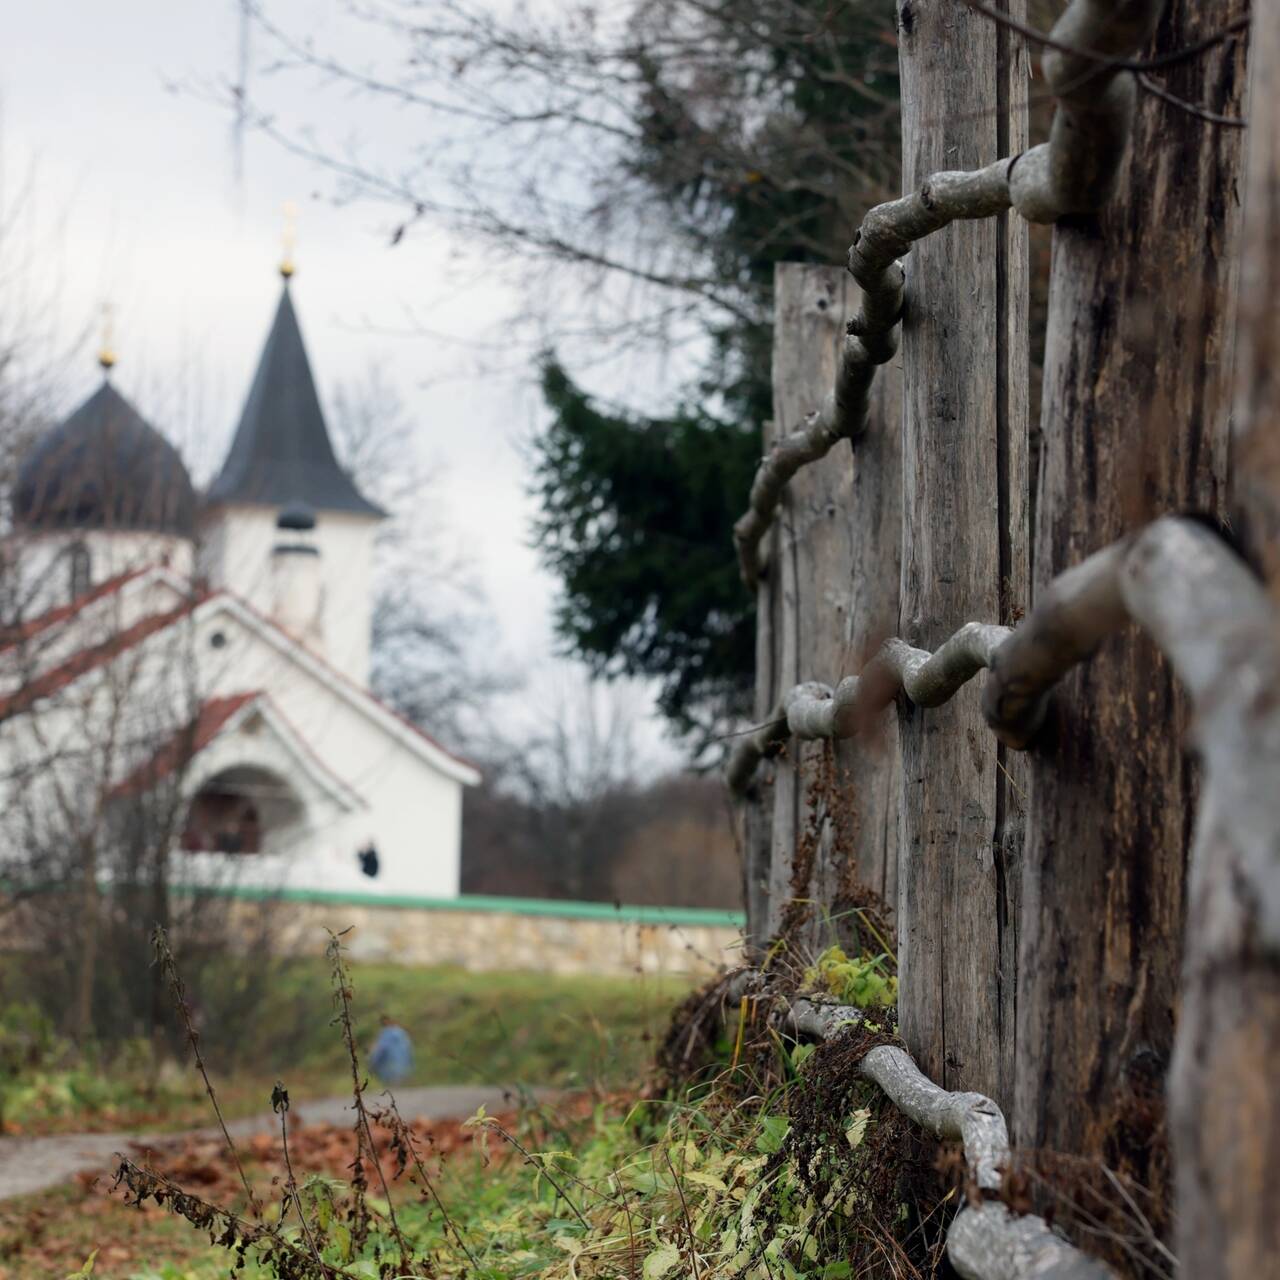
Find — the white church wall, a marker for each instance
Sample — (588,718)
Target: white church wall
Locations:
(97,623)
(236,554)
(414,812)
(293,857)
(61,761)
(38,775)
(346,559)
(44,563)
(378,783)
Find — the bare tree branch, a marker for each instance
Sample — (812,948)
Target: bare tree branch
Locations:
(1148,85)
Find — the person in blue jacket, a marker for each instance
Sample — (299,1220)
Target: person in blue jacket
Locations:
(392,1055)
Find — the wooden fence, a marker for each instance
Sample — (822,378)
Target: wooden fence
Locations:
(1045,875)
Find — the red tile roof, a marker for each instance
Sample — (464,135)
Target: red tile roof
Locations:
(94,656)
(23,631)
(188,742)
(89,659)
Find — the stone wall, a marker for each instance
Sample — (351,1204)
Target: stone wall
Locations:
(506,934)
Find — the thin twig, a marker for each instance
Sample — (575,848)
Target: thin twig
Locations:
(1152,1236)
(688,1221)
(776,723)
(1191,108)
(280,1105)
(541,1165)
(1172,59)
(169,966)
(633,1271)
(342,998)
(143,1182)
(405,1135)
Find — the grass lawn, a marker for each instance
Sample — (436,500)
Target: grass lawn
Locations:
(500,1028)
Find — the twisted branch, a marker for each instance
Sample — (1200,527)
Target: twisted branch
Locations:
(1073,616)
(985,1241)
(871,340)
(1074,172)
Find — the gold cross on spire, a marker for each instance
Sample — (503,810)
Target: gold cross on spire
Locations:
(106,352)
(289,238)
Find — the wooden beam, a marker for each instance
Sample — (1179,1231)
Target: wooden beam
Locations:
(831,587)
(1134,425)
(964,538)
(1224,1105)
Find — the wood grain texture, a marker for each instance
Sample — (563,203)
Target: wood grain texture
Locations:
(869,769)
(1134,425)
(808,320)
(832,586)
(756,809)
(1255,479)
(1224,1106)
(964,539)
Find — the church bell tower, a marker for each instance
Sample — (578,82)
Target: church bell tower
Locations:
(285,527)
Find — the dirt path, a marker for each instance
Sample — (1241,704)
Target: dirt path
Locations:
(28,1165)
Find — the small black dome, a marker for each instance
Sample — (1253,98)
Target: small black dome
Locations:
(105,467)
(298,516)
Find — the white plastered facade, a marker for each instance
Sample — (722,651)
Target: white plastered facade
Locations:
(43,561)
(356,776)
(236,552)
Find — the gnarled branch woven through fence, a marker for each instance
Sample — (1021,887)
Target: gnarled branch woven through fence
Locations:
(1074,172)
(986,1240)
(1080,608)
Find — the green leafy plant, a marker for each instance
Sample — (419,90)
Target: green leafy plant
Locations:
(726,1177)
(86,1270)
(862,981)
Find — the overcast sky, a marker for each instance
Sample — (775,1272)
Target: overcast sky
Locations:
(145,202)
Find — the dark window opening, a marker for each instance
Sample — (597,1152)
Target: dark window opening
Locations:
(368,861)
(243,809)
(222,822)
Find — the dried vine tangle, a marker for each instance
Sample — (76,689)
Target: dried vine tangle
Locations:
(985,1240)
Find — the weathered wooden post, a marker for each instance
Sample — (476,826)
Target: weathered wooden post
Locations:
(829,593)
(869,769)
(965,543)
(1134,425)
(1224,1104)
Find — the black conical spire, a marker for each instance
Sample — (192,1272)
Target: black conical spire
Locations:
(282,452)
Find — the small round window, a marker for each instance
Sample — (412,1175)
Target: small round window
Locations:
(218,640)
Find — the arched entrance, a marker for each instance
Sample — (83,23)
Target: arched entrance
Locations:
(243,809)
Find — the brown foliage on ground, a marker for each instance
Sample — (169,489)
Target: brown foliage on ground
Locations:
(51,1234)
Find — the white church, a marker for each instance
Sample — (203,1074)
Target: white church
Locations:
(217,645)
